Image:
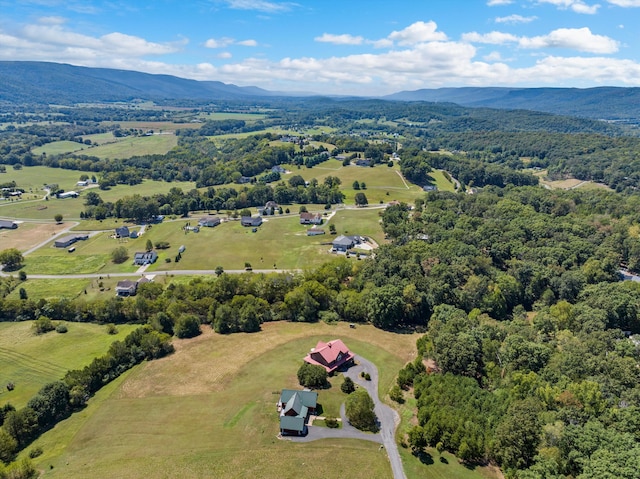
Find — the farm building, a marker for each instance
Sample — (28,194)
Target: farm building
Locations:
(330,355)
(67,241)
(9,225)
(68,194)
(145,257)
(251,220)
(209,221)
(295,407)
(310,219)
(315,232)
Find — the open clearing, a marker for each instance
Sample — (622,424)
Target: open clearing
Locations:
(28,235)
(208,410)
(31,361)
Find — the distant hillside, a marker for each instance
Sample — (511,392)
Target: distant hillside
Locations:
(56,83)
(611,103)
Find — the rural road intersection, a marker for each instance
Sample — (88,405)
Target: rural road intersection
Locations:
(387,417)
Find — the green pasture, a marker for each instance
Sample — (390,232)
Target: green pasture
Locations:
(153,125)
(31,361)
(134,146)
(280,241)
(146,188)
(33,178)
(90,256)
(58,148)
(217,116)
(441,182)
(51,288)
(224,425)
(40,209)
(383,184)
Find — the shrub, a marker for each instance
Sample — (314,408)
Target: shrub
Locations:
(42,325)
(162,245)
(312,376)
(111,329)
(35,452)
(347,386)
(119,255)
(331,422)
(396,394)
(61,328)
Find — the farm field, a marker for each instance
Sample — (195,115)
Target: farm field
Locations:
(31,361)
(33,178)
(361,221)
(146,188)
(209,411)
(28,234)
(58,148)
(127,147)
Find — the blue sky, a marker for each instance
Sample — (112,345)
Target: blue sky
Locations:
(363,47)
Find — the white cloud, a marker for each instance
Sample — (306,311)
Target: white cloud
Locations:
(493,3)
(515,19)
(344,39)
(224,55)
(493,57)
(247,43)
(577,6)
(418,32)
(260,5)
(53,20)
(218,42)
(625,3)
(580,39)
(493,38)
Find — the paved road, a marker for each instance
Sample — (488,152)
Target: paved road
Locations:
(388,419)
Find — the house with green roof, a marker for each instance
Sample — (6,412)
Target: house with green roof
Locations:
(295,407)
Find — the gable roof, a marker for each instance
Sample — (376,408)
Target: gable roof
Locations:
(329,355)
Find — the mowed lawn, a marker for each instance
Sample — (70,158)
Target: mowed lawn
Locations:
(280,242)
(209,411)
(31,361)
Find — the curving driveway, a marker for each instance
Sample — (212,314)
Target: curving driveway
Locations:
(387,417)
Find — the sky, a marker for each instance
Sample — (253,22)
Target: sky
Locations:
(338,47)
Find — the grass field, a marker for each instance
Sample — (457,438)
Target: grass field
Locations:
(209,411)
(53,288)
(58,148)
(135,146)
(33,178)
(281,240)
(383,184)
(31,361)
(146,188)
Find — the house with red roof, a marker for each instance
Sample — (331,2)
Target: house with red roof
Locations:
(330,355)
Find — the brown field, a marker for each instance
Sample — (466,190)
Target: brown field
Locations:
(227,356)
(29,235)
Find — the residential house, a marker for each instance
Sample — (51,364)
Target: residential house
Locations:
(129,288)
(9,225)
(429,188)
(364,162)
(209,221)
(269,208)
(331,355)
(315,232)
(122,232)
(295,407)
(145,257)
(251,221)
(310,219)
(344,243)
(67,241)
(278,169)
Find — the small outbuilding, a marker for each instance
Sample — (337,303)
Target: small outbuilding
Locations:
(9,225)
(251,221)
(67,241)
